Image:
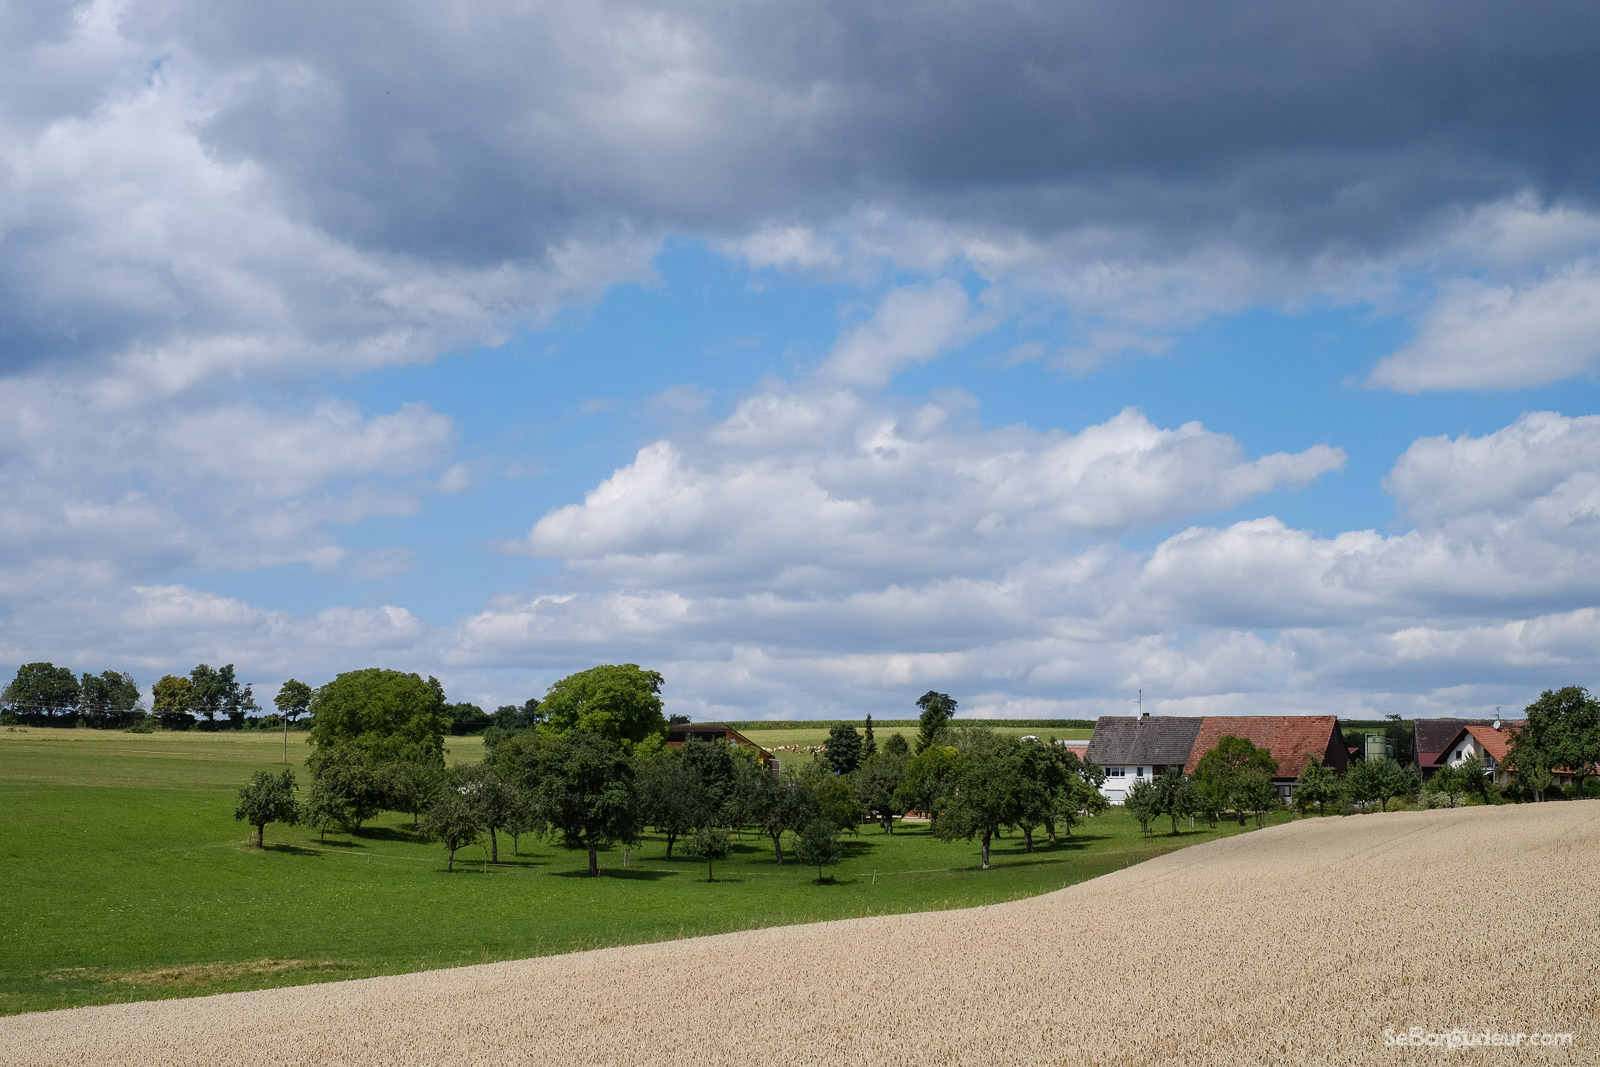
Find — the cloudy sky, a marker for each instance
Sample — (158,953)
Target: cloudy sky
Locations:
(815,355)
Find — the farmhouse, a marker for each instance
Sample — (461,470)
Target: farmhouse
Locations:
(679,732)
(1434,737)
(1128,748)
(1488,743)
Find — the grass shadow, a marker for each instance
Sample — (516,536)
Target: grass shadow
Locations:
(293,850)
(386,833)
(633,874)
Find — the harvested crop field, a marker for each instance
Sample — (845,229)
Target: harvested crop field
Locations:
(1300,943)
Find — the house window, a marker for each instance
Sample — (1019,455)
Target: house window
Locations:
(1117,772)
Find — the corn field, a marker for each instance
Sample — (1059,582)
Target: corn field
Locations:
(1300,944)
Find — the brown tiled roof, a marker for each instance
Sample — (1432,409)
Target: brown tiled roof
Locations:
(1433,736)
(1293,740)
(1491,741)
(678,732)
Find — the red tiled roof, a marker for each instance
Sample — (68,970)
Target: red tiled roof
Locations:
(1494,742)
(1293,740)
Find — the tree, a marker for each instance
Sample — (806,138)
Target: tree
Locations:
(712,764)
(1176,796)
(783,804)
(709,843)
(1256,792)
(1444,789)
(173,701)
(1380,780)
(216,691)
(1476,780)
(108,699)
(897,745)
(343,774)
(268,798)
(388,715)
(877,779)
(586,793)
(1563,731)
(837,800)
(1220,773)
(987,791)
(869,745)
(494,799)
(937,709)
(844,748)
(1080,797)
(1043,777)
(467,719)
(1139,800)
(453,820)
(1317,785)
(323,809)
(670,798)
(818,845)
(410,786)
(42,693)
(617,702)
(293,699)
(928,778)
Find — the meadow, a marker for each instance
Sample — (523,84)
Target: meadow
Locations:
(1321,942)
(124,876)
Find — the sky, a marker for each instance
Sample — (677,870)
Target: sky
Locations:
(1238,356)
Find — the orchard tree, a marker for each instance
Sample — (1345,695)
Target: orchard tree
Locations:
(670,797)
(878,780)
(1380,780)
(709,843)
(268,798)
(293,699)
(1256,792)
(1176,796)
(1317,785)
(782,805)
(937,710)
(1080,797)
(1220,775)
(987,791)
(494,799)
(453,820)
(1139,800)
(324,809)
(616,702)
(1563,731)
(343,774)
(818,845)
(586,792)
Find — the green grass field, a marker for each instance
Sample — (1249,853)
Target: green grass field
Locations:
(123,876)
(806,734)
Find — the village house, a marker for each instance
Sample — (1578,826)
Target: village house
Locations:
(679,732)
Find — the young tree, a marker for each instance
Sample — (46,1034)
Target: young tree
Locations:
(836,798)
(1317,785)
(709,843)
(1041,778)
(324,809)
(1255,792)
(388,715)
(453,820)
(928,778)
(173,702)
(293,699)
(1176,796)
(937,710)
(586,793)
(844,749)
(342,772)
(1139,800)
(1444,788)
(897,745)
(617,702)
(493,798)
(783,805)
(877,779)
(409,786)
(1080,797)
(1381,780)
(268,798)
(869,745)
(818,845)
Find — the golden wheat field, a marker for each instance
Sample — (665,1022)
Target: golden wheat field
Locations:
(1298,944)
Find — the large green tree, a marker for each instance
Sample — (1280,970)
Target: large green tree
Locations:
(1380,780)
(1222,774)
(1317,785)
(218,692)
(929,776)
(987,791)
(878,781)
(108,699)
(586,793)
(671,799)
(937,709)
(42,693)
(843,751)
(621,702)
(173,702)
(1563,733)
(389,715)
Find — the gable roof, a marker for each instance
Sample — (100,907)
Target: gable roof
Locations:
(1490,741)
(1128,740)
(1293,740)
(679,732)
(1435,736)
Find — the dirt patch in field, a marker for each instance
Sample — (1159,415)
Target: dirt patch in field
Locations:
(189,973)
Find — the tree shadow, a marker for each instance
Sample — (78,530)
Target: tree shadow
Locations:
(293,850)
(386,833)
(627,874)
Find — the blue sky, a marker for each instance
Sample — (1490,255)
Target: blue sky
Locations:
(815,357)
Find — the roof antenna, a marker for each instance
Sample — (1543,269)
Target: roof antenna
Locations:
(1141,702)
